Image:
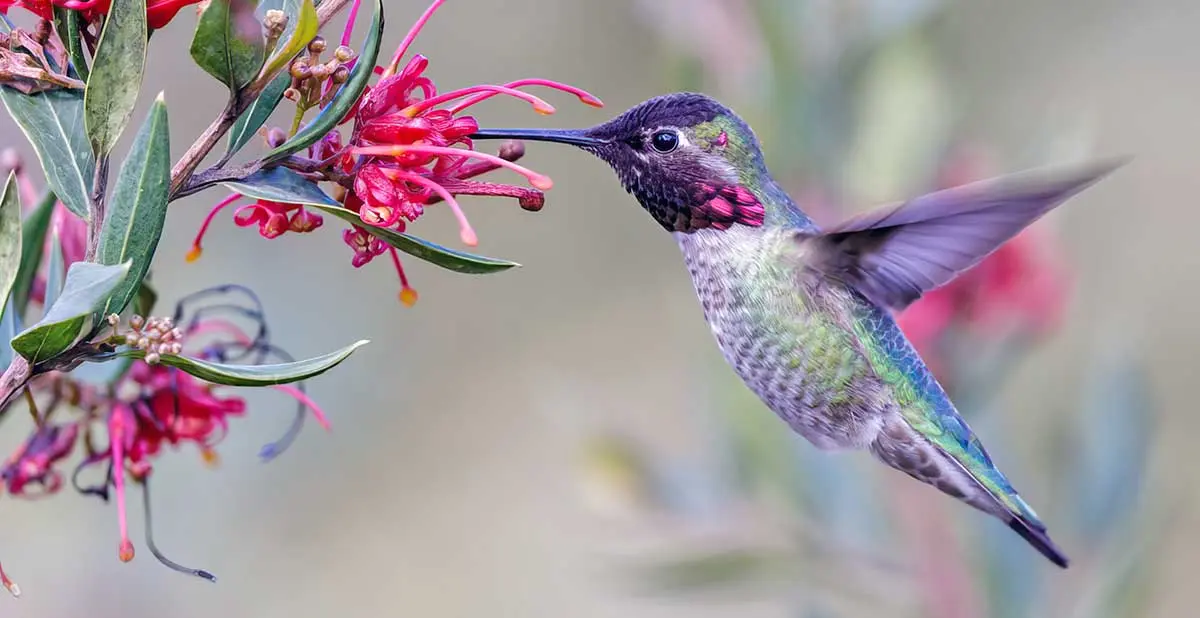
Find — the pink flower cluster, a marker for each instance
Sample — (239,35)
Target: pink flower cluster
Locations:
(408,149)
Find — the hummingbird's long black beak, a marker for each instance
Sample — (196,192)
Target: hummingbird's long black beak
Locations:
(575,137)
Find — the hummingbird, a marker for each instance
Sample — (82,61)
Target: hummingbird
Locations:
(804,313)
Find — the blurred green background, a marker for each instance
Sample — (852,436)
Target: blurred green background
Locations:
(565,440)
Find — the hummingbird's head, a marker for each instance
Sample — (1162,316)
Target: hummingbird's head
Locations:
(690,161)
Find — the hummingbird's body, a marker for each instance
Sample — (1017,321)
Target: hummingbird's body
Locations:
(803,314)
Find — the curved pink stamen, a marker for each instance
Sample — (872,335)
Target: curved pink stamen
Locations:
(410,37)
(465,231)
(539,181)
(586,97)
(539,105)
(116,436)
(399,267)
(350,22)
(295,393)
(9,584)
(196,247)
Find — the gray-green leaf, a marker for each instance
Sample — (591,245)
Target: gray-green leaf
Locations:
(256,115)
(457,261)
(116,75)
(67,24)
(139,206)
(53,123)
(33,243)
(280,184)
(69,319)
(10,237)
(228,43)
(345,98)
(254,375)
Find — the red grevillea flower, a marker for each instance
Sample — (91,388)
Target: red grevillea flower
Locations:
(33,463)
(408,149)
(148,408)
(1021,289)
(158,12)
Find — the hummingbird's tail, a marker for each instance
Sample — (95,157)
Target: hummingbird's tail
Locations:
(1036,535)
(972,479)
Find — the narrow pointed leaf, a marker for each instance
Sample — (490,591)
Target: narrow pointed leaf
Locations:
(33,242)
(116,76)
(345,98)
(256,115)
(146,298)
(280,184)
(56,272)
(69,319)
(138,207)
(67,24)
(52,121)
(228,43)
(10,237)
(254,375)
(450,259)
(301,28)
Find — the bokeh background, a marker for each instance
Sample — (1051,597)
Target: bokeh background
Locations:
(565,439)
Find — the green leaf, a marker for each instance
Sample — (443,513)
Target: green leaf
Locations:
(254,375)
(146,298)
(256,115)
(10,237)
(33,243)
(69,319)
(116,77)
(280,184)
(56,272)
(139,206)
(228,43)
(53,123)
(344,100)
(457,261)
(67,23)
(301,27)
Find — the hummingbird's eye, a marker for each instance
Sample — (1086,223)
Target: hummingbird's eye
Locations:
(664,141)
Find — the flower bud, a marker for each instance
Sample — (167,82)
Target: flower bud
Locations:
(274,22)
(300,70)
(340,75)
(276,136)
(343,53)
(317,45)
(291,94)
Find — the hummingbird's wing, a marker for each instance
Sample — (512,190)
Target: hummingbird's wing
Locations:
(895,254)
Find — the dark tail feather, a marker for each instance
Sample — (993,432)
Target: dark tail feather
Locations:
(1037,537)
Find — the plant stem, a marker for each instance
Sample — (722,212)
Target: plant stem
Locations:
(13,382)
(96,208)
